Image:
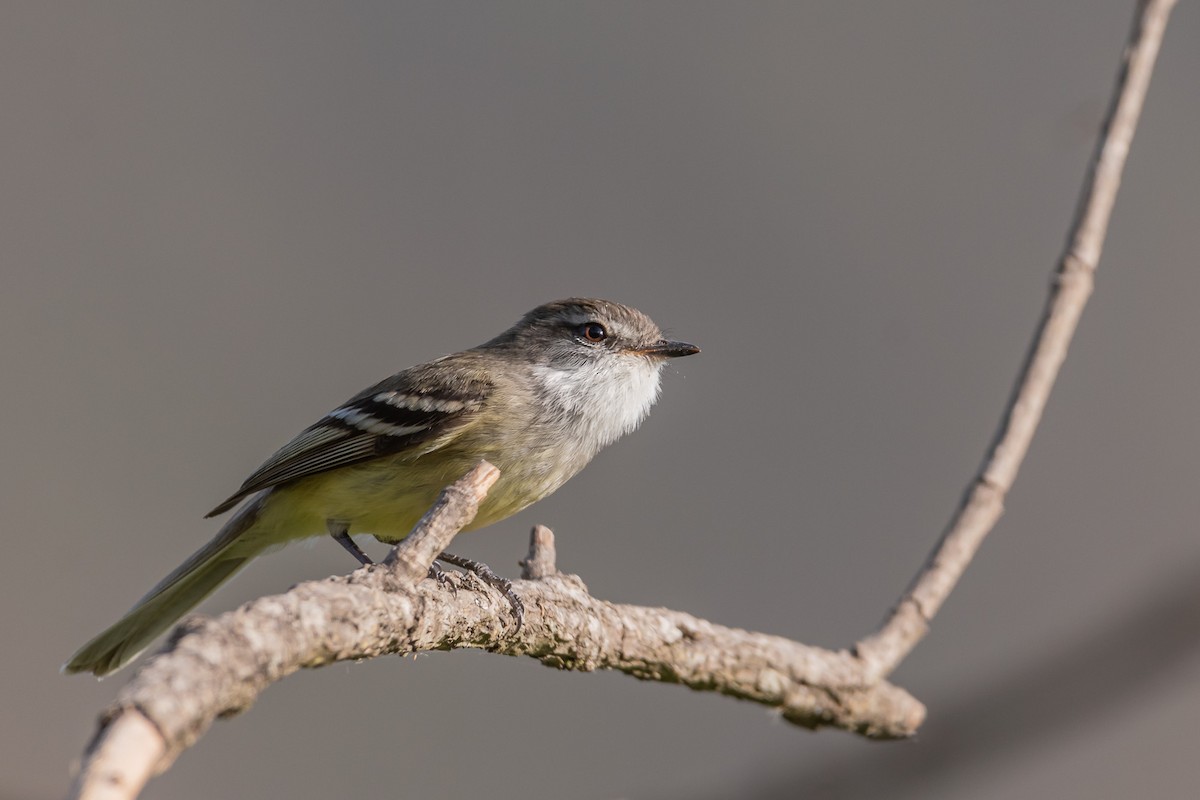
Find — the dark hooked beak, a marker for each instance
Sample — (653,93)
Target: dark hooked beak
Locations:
(667,349)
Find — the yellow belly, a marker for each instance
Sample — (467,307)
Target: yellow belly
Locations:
(387,497)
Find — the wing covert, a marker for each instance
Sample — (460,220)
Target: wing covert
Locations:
(414,407)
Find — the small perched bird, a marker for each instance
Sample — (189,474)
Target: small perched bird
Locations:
(538,402)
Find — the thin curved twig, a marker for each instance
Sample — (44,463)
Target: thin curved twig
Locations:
(983,502)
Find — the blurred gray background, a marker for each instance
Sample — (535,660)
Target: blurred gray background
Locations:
(219,220)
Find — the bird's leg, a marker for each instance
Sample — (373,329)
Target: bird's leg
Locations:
(491,579)
(340,531)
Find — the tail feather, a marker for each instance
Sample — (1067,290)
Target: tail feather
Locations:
(181,591)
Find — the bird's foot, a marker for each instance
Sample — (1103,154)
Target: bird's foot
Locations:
(442,577)
(485,574)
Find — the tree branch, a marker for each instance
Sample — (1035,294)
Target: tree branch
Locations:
(216,668)
(983,502)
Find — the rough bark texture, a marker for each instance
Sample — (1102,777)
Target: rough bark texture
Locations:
(215,668)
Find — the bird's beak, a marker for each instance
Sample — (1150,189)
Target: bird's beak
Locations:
(667,349)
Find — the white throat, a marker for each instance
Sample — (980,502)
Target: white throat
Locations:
(601,401)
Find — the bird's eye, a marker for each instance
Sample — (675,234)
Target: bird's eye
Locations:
(593,332)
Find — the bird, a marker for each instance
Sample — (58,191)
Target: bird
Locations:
(538,401)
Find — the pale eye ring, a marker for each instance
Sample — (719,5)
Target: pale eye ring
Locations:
(592,332)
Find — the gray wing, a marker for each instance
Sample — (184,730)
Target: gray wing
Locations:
(414,407)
